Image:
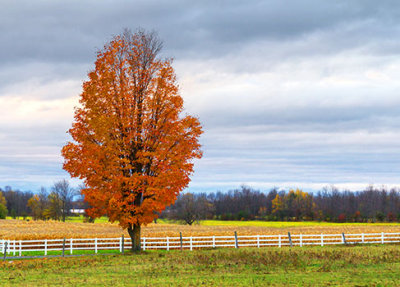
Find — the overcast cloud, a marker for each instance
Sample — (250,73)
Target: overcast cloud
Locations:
(290,93)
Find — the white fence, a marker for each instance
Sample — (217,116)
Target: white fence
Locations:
(71,245)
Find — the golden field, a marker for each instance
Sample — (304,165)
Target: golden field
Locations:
(19,229)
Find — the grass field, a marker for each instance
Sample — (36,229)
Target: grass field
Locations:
(307,266)
(20,229)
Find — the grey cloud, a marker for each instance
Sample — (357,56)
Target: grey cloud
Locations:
(71,31)
(331,119)
(261,90)
(13,77)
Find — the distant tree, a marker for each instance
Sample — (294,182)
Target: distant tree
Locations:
(357,216)
(3,206)
(54,207)
(342,218)
(205,208)
(380,216)
(13,213)
(3,200)
(33,204)
(262,211)
(278,207)
(3,211)
(185,209)
(268,200)
(295,204)
(38,204)
(65,194)
(190,208)
(17,201)
(391,217)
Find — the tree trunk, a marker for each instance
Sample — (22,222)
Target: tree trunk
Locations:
(134,233)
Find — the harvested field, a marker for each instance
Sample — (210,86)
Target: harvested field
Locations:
(19,229)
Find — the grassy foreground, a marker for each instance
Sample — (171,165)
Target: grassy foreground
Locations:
(312,266)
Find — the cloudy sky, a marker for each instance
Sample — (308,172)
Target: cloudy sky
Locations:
(290,93)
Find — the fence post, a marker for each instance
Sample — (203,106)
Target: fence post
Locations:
(70,246)
(191,244)
(14,247)
(20,248)
(144,243)
(123,244)
(63,250)
(322,239)
(45,247)
(2,246)
(258,241)
(280,242)
(383,238)
(167,243)
(344,238)
(236,240)
(362,237)
(301,240)
(290,239)
(213,243)
(5,250)
(95,245)
(181,240)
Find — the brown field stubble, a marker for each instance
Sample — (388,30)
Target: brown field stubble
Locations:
(19,229)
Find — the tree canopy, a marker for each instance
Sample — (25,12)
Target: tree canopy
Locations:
(132,145)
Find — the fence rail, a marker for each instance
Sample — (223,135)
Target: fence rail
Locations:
(70,245)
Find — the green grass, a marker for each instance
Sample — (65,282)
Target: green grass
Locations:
(309,266)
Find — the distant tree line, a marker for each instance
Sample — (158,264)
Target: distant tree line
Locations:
(330,204)
(16,202)
(43,205)
(370,205)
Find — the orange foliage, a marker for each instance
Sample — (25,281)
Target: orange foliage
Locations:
(132,146)
(2,199)
(277,204)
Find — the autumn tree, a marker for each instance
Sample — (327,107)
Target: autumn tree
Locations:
(54,207)
(294,204)
(3,206)
(132,145)
(34,205)
(38,204)
(278,205)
